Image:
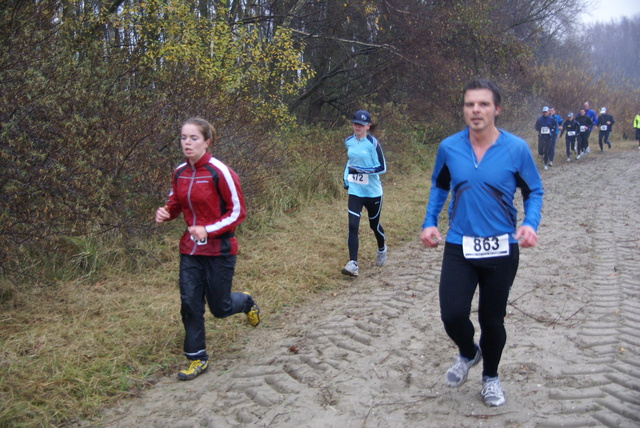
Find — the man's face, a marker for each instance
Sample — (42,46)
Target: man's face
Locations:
(552,111)
(545,113)
(479,109)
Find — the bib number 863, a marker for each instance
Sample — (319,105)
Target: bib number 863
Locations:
(486,244)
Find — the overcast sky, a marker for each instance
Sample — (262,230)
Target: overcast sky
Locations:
(606,10)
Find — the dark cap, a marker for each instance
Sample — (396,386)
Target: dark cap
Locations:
(362,117)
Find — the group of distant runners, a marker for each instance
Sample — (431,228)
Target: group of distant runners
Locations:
(577,130)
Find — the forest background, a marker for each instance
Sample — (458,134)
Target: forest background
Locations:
(92,95)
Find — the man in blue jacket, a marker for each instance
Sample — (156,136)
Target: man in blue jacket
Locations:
(594,119)
(554,136)
(482,167)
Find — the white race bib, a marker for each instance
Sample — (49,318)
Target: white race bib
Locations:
(475,247)
(358,178)
(545,130)
(583,129)
(571,133)
(603,127)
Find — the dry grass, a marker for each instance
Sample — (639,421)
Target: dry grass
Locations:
(69,350)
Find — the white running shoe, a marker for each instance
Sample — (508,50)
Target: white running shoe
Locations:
(457,373)
(492,392)
(381,257)
(351,268)
(568,159)
(546,167)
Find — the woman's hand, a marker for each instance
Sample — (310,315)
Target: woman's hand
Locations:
(198,232)
(162,214)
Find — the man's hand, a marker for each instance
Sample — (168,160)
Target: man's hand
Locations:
(526,236)
(430,237)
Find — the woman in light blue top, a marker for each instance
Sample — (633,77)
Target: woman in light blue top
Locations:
(361,178)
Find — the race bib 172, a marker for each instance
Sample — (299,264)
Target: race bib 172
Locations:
(358,178)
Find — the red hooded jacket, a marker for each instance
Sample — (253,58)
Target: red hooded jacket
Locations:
(208,196)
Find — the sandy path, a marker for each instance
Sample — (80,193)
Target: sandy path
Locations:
(374,354)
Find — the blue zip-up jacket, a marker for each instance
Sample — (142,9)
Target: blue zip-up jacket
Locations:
(364,165)
(482,192)
(558,120)
(593,117)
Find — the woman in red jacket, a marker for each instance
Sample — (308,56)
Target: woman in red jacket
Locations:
(208,194)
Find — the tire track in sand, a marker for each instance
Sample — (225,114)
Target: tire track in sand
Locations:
(604,371)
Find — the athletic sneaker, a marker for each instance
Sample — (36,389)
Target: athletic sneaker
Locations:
(253,313)
(457,374)
(492,392)
(551,163)
(568,159)
(578,157)
(546,167)
(351,268)
(196,368)
(587,151)
(381,257)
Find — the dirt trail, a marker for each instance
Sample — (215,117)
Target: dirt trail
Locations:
(374,354)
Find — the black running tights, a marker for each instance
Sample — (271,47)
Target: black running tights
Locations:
(374,208)
(458,281)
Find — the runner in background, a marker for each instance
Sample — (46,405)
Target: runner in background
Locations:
(554,136)
(572,128)
(546,127)
(594,118)
(482,166)
(605,124)
(361,176)
(585,124)
(636,125)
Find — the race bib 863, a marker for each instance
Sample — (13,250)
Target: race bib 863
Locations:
(475,247)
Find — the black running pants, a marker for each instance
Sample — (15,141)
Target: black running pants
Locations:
(458,281)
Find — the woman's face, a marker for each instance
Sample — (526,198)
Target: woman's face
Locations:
(193,143)
(360,130)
